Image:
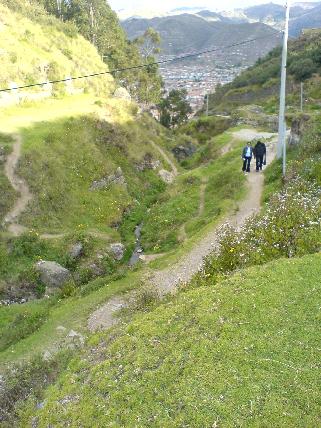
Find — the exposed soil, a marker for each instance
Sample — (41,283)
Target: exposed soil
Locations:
(25,196)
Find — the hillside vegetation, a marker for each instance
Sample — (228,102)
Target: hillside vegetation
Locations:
(75,137)
(93,166)
(97,23)
(235,345)
(241,352)
(259,84)
(59,53)
(238,344)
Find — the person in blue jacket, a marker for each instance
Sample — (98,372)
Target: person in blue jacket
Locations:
(247,155)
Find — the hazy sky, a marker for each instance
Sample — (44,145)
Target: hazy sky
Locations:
(171,4)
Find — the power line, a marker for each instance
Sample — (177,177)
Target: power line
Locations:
(136,67)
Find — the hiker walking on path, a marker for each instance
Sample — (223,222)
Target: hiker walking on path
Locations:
(259,153)
(247,157)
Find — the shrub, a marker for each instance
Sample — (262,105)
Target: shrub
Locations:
(28,245)
(289,227)
(302,69)
(316,55)
(69,289)
(145,299)
(28,381)
(311,143)
(23,324)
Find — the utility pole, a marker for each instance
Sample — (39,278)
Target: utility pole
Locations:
(281,149)
(301,97)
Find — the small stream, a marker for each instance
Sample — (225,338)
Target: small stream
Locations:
(138,251)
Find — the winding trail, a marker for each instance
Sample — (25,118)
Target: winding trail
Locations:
(167,280)
(166,158)
(25,196)
(11,219)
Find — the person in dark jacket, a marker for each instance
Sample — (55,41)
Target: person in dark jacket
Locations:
(259,153)
(247,157)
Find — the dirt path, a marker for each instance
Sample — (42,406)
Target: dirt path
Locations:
(11,219)
(166,281)
(20,186)
(165,157)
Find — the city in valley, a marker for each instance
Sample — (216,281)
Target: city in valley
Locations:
(201,77)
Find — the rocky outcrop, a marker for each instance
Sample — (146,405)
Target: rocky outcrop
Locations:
(117,250)
(148,163)
(184,151)
(105,182)
(122,94)
(76,251)
(75,337)
(166,176)
(96,269)
(297,129)
(52,274)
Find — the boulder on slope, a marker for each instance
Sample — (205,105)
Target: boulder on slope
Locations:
(52,274)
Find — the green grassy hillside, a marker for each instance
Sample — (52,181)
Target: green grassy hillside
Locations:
(244,352)
(44,49)
(70,142)
(260,83)
(61,160)
(235,347)
(199,197)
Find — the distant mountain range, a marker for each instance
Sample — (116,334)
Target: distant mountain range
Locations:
(310,19)
(194,32)
(303,15)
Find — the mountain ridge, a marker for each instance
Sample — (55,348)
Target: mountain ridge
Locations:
(301,15)
(185,33)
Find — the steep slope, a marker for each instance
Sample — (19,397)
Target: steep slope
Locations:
(260,83)
(59,53)
(263,12)
(242,351)
(271,13)
(74,160)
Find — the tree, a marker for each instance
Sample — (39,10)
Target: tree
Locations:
(150,82)
(175,108)
(149,43)
(316,55)
(97,22)
(302,69)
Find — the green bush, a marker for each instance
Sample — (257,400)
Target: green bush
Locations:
(289,227)
(316,55)
(27,381)
(23,324)
(28,245)
(302,69)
